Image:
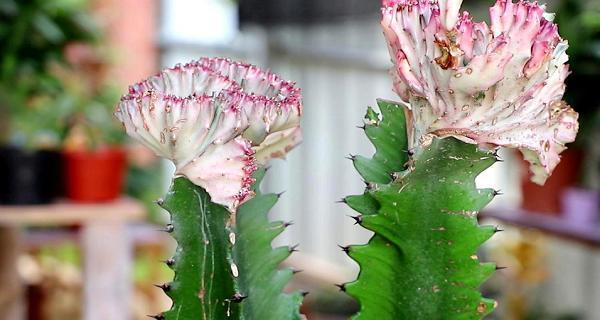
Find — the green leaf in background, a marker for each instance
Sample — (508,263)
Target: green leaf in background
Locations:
(34,35)
(422,261)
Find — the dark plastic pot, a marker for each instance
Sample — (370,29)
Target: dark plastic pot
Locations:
(94,176)
(29,177)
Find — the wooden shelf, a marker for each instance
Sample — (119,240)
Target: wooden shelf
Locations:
(141,233)
(588,234)
(108,252)
(69,213)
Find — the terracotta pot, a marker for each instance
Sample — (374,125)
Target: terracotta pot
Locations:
(29,176)
(95,176)
(547,199)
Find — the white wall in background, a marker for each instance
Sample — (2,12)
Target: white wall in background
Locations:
(574,286)
(207,22)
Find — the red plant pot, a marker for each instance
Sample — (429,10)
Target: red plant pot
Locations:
(94,176)
(547,199)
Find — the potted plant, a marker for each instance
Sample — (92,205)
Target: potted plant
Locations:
(95,162)
(30,164)
(33,34)
(93,174)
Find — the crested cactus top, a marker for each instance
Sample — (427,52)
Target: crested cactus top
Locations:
(217,120)
(497,85)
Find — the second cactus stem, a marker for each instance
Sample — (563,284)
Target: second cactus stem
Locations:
(225,267)
(422,261)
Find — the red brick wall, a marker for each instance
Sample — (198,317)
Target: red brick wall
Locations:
(131,30)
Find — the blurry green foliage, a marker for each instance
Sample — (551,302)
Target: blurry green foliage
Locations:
(579,23)
(34,34)
(68,253)
(88,108)
(147,184)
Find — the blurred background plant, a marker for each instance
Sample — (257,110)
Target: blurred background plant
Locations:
(89,98)
(579,22)
(55,96)
(34,34)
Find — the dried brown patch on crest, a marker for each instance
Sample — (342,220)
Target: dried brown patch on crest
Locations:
(450,53)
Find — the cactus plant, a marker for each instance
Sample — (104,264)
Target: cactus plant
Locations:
(466,89)
(220,121)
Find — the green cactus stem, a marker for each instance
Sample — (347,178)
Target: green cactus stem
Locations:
(224,265)
(422,261)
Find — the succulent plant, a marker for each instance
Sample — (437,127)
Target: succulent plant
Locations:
(219,122)
(466,89)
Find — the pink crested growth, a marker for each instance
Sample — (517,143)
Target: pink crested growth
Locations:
(217,120)
(497,85)
(389,3)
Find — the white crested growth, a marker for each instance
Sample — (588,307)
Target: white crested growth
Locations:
(217,120)
(498,85)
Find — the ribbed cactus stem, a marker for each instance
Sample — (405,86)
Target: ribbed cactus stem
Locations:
(204,270)
(422,261)
(224,265)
